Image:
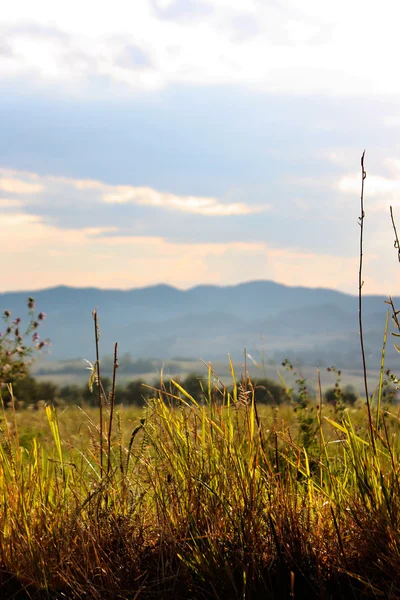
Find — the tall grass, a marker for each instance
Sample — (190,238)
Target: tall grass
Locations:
(207,500)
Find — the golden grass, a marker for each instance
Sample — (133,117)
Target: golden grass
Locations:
(201,501)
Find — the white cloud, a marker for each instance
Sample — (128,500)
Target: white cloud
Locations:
(191,204)
(310,47)
(391,121)
(53,189)
(16,186)
(10,202)
(377,185)
(302,204)
(380,190)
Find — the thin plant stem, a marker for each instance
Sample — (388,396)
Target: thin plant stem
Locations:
(96,337)
(319,416)
(360,285)
(112,402)
(396,237)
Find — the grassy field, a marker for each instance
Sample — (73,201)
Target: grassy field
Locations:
(222,499)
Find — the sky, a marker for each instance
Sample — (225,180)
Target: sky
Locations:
(198,141)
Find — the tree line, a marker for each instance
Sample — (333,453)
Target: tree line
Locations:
(28,391)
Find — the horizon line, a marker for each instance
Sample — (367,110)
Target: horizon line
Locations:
(180,289)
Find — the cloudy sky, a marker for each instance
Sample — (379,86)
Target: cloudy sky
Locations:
(198,141)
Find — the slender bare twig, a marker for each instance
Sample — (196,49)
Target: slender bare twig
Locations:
(360,285)
(396,237)
(112,402)
(395,315)
(395,312)
(96,337)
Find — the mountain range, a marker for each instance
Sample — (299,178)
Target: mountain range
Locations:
(315,325)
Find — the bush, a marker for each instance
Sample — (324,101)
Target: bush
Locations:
(266,391)
(28,390)
(134,393)
(18,347)
(335,395)
(269,392)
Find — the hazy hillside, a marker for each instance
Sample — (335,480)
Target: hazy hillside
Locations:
(316,325)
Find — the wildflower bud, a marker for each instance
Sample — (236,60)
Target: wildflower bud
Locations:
(41,316)
(8,330)
(31,303)
(40,345)
(7,314)
(17,332)
(35,337)
(17,321)
(35,324)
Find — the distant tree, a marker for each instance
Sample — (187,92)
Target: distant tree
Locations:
(331,396)
(91,397)
(269,392)
(336,395)
(47,391)
(25,390)
(349,395)
(136,393)
(71,394)
(389,395)
(192,385)
(266,391)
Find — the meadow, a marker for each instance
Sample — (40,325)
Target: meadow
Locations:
(215,499)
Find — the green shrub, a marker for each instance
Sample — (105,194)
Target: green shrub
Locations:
(18,345)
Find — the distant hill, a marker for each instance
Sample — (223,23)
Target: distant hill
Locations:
(314,325)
